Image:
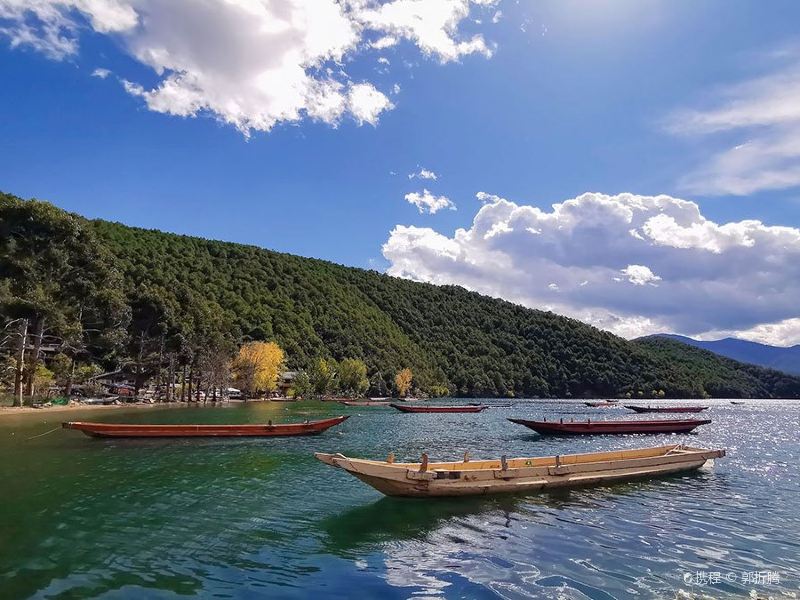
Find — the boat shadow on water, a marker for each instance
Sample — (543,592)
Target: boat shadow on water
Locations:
(387,520)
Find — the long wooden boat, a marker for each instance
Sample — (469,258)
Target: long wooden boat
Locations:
(666,409)
(126,430)
(589,427)
(466,478)
(605,404)
(421,408)
(364,403)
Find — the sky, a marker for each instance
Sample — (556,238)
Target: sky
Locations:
(631,163)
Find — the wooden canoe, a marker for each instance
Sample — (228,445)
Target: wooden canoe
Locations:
(470,408)
(364,403)
(125,430)
(466,478)
(666,409)
(601,404)
(604,427)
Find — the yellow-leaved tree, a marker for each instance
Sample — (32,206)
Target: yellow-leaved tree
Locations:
(258,366)
(402,381)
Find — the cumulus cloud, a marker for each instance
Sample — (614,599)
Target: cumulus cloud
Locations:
(631,264)
(366,103)
(640,275)
(423,173)
(764,114)
(431,25)
(429,203)
(101,73)
(250,63)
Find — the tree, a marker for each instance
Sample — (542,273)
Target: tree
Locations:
(257,367)
(402,381)
(353,376)
(377,386)
(148,329)
(215,366)
(42,378)
(58,279)
(61,366)
(323,375)
(301,386)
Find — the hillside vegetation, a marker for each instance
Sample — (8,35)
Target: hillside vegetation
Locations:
(188,296)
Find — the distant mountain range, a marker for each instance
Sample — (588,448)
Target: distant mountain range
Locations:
(773,357)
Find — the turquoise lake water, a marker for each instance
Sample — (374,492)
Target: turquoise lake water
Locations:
(86,517)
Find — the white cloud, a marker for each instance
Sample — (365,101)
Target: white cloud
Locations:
(628,263)
(429,203)
(423,173)
(764,113)
(640,275)
(366,103)
(101,73)
(48,26)
(782,333)
(250,63)
(432,25)
(386,41)
(497,16)
(486,197)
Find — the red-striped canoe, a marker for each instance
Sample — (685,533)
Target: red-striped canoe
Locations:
(472,408)
(666,409)
(127,430)
(603,427)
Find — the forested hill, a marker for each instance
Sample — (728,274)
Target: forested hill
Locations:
(216,294)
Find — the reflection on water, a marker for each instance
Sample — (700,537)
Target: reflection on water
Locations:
(240,518)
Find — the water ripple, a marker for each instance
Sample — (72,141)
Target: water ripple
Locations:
(243,518)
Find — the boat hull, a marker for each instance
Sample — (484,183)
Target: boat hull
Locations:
(611,427)
(123,430)
(522,475)
(438,409)
(666,409)
(364,403)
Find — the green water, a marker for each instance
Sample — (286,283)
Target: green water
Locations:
(85,517)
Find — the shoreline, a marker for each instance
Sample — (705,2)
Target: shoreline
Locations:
(21,410)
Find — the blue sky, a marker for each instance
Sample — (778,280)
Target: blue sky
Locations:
(558,99)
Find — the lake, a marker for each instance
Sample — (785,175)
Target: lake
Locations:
(85,517)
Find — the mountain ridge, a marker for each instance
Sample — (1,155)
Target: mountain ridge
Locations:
(786,359)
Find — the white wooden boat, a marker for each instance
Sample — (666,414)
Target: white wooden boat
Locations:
(467,477)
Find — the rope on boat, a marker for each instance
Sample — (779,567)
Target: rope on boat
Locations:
(45,433)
